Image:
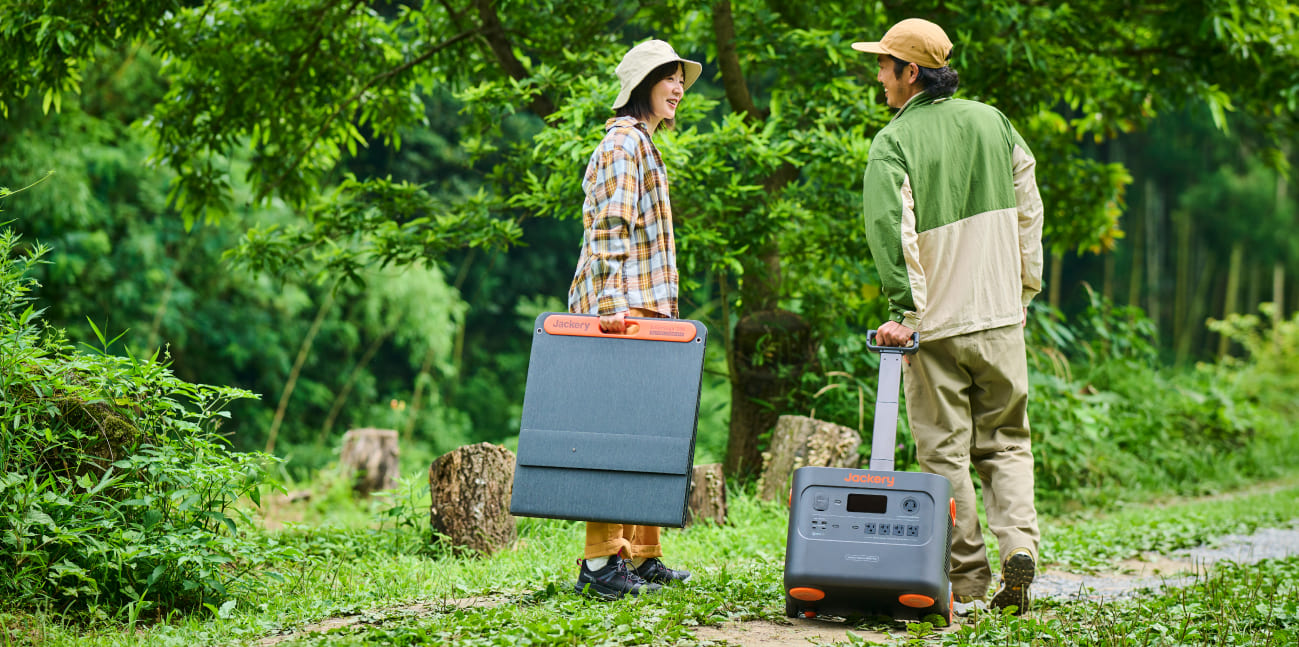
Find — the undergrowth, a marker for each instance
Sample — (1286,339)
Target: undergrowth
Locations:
(117,490)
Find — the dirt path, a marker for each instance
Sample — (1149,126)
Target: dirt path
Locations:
(1149,572)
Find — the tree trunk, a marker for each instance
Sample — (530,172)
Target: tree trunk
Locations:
(1229,295)
(470,490)
(799,441)
(1182,287)
(707,495)
(369,458)
(1053,283)
(1278,295)
(417,400)
(771,350)
(304,350)
(1138,261)
(1154,242)
(341,398)
(1199,305)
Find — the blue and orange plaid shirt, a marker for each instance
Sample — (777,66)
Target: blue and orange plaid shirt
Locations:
(629,257)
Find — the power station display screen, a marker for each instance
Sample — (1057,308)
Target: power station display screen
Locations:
(869,503)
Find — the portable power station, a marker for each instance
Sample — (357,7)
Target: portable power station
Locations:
(873,541)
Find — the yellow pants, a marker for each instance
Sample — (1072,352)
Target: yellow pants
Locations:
(967,400)
(603,539)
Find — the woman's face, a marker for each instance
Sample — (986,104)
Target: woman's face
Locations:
(666,94)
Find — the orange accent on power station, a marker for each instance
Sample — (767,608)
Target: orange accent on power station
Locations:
(806,594)
(915,600)
(951,604)
(951,504)
(637,328)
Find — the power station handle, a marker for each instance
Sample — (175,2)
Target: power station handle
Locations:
(905,350)
(885,430)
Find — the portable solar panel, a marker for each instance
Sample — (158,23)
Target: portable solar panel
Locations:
(607,431)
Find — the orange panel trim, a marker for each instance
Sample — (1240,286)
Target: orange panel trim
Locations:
(637,328)
(951,504)
(806,594)
(915,600)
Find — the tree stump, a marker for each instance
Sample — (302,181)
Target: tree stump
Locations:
(369,457)
(707,495)
(799,441)
(470,489)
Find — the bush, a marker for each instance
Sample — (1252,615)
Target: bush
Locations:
(117,491)
(1109,422)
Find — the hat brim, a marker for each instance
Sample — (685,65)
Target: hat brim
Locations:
(871,48)
(692,70)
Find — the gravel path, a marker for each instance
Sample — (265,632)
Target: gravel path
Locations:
(1153,572)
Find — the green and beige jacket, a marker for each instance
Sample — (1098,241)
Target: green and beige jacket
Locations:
(953,217)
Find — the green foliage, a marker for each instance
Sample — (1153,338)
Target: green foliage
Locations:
(119,494)
(1107,418)
(1269,374)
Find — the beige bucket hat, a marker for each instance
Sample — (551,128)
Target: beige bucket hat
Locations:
(913,40)
(642,59)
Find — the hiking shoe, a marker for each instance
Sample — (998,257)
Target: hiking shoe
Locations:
(964,605)
(613,581)
(653,570)
(1016,574)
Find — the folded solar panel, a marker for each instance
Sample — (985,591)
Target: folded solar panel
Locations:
(608,425)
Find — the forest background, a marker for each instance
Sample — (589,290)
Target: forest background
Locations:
(357,209)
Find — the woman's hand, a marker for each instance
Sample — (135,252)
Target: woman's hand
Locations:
(614,322)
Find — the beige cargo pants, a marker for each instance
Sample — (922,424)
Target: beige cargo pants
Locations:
(967,401)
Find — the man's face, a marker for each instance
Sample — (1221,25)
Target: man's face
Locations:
(897,91)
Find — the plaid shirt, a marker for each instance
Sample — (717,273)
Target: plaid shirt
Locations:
(629,257)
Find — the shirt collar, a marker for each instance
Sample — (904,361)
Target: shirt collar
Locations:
(919,99)
(626,121)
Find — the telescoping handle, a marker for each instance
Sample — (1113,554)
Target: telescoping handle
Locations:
(884,434)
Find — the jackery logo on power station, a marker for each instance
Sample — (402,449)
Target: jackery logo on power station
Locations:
(870,479)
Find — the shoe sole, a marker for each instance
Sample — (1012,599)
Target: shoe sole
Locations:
(1016,576)
(670,582)
(598,591)
(594,590)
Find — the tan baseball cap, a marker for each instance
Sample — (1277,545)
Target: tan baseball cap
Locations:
(642,59)
(913,40)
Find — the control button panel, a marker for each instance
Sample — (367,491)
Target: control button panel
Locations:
(865,515)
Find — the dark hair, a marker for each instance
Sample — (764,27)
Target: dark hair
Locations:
(937,83)
(638,105)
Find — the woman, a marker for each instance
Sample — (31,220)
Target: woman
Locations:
(628,268)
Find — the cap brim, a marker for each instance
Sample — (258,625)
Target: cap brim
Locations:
(871,48)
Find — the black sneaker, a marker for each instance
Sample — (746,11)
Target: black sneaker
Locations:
(1016,574)
(652,570)
(613,581)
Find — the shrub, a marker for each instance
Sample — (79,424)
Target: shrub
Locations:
(117,491)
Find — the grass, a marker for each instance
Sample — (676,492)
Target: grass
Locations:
(522,596)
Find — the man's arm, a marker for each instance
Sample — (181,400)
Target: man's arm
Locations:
(1028,203)
(888,212)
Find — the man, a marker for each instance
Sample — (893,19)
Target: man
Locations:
(954,221)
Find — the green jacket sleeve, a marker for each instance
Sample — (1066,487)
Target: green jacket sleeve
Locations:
(882,199)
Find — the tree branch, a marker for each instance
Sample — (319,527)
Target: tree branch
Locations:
(356,96)
(728,60)
(494,33)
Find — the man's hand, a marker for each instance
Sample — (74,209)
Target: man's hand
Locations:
(892,333)
(613,322)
